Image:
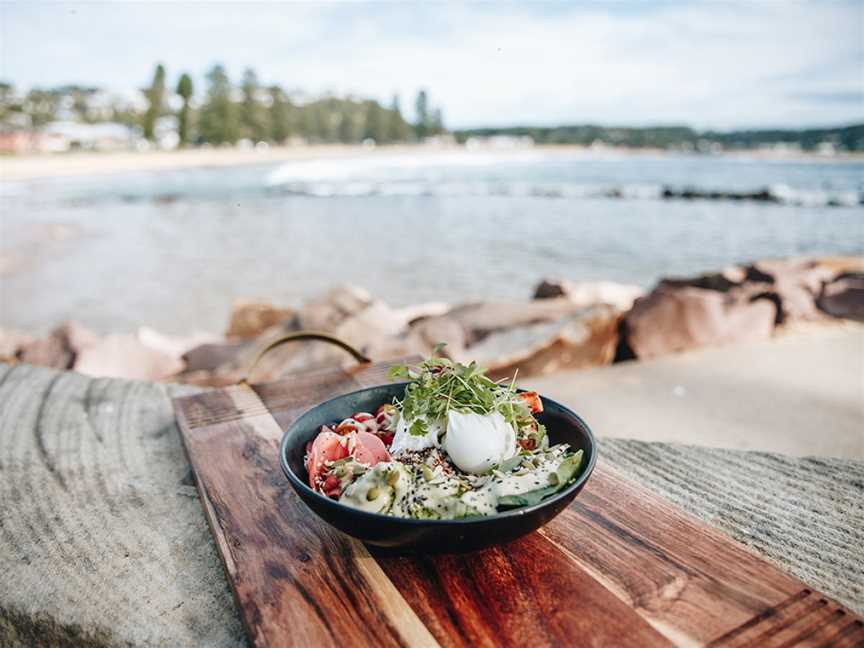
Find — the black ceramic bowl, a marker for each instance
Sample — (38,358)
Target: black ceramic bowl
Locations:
(562,426)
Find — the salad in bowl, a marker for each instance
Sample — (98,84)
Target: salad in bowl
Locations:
(456,445)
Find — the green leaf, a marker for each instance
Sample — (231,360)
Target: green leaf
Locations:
(566,471)
(526,499)
(418,428)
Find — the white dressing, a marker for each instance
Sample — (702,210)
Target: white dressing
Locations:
(403,439)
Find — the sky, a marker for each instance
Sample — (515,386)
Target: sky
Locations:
(704,63)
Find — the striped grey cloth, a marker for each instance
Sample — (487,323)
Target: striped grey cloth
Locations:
(804,514)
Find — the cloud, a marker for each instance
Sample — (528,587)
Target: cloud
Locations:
(708,64)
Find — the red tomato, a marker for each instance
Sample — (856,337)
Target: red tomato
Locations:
(347,426)
(386,407)
(528,444)
(369,449)
(362,417)
(326,447)
(332,487)
(384,414)
(387,438)
(532,400)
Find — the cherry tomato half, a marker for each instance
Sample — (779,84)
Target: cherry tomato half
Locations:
(532,400)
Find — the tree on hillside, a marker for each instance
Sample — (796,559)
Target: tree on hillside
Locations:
(350,131)
(7,93)
(10,107)
(397,127)
(421,107)
(218,120)
(307,122)
(185,90)
(41,106)
(77,98)
(126,114)
(253,114)
(322,121)
(374,123)
(436,125)
(155,102)
(281,118)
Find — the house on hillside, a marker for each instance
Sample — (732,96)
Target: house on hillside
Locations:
(91,137)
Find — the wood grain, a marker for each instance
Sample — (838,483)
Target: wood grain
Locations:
(295,581)
(686,579)
(619,567)
(804,619)
(525,593)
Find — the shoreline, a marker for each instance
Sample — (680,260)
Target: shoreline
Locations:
(60,165)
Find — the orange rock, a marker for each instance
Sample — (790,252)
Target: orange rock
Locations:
(844,297)
(327,312)
(587,338)
(672,319)
(123,356)
(481,319)
(60,348)
(12,342)
(442,329)
(249,319)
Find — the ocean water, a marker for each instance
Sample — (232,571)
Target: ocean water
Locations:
(173,249)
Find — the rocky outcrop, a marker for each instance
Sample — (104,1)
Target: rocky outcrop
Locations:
(211,356)
(793,284)
(723,281)
(588,293)
(414,313)
(60,348)
(434,330)
(678,318)
(12,342)
(251,318)
(147,354)
(174,346)
(327,312)
(536,337)
(124,356)
(479,320)
(567,325)
(844,297)
(585,339)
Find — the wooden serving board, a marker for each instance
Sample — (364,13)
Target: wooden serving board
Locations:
(619,567)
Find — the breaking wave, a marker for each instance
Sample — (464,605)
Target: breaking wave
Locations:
(776,194)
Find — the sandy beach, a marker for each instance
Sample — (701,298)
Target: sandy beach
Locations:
(25,167)
(89,163)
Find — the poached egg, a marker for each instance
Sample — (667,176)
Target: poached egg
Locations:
(476,442)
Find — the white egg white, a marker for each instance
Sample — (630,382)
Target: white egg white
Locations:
(476,442)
